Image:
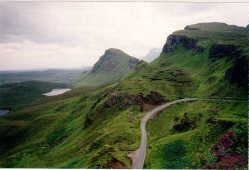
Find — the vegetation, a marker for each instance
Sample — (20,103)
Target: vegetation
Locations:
(18,95)
(111,67)
(99,127)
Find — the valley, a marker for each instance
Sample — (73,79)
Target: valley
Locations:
(186,109)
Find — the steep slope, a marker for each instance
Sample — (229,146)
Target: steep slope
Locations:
(196,63)
(111,67)
(215,56)
(98,128)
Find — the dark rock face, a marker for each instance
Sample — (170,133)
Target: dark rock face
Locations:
(175,40)
(122,100)
(154,98)
(247,27)
(184,124)
(133,62)
(238,74)
(219,51)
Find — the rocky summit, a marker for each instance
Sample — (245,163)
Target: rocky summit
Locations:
(113,65)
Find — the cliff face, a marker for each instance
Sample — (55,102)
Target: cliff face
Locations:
(238,73)
(175,40)
(218,51)
(225,48)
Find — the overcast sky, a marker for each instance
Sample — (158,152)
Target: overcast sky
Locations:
(69,35)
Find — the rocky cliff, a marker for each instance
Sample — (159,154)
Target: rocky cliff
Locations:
(173,41)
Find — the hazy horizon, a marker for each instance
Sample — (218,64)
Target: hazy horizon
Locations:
(74,35)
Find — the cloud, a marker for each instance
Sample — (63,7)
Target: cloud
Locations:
(38,35)
(32,55)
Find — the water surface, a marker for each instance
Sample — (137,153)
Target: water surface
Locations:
(56,92)
(4,112)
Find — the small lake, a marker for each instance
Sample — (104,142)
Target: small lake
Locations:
(3,112)
(56,92)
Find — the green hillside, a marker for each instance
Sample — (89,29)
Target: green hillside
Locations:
(112,66)
(19,95)
(99,127)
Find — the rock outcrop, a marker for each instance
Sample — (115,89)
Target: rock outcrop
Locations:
(218,51)
(124,100)
(133,62)
(238,73)
(176,40)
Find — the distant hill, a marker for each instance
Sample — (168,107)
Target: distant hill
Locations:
(18,95)
(152,55)
(100,127)
(66,76)
(112,66)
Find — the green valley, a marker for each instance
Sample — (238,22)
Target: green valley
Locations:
(97,124)
(19,95)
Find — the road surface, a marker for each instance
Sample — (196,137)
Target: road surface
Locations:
(138,157)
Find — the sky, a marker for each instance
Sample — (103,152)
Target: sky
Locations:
(37,35)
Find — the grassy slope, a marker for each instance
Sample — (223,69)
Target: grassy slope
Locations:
(66,139)
(78,131)
(109,69)
(191,148)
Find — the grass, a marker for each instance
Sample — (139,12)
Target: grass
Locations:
(198,138)
(113,66)
(19,95)
(78,129)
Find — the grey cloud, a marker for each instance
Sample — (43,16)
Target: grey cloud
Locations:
(36,34)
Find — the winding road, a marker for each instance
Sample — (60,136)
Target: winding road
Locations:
(138,156)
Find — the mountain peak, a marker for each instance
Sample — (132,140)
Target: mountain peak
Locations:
(214,27)
(112,66)
(114,52)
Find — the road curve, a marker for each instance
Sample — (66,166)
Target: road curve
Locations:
(138,157)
